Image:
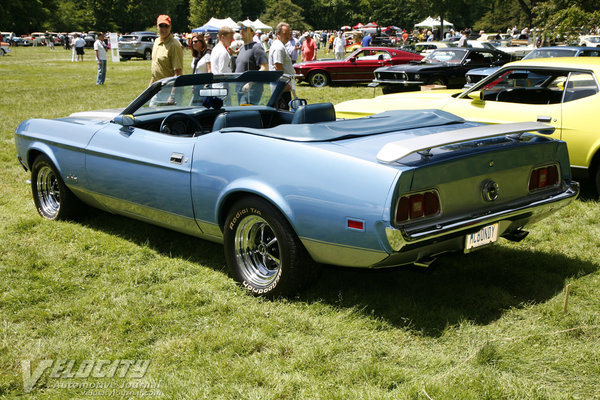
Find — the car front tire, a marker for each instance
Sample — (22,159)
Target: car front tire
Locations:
(318,79)
(262,251)
(437,80)
(53,199)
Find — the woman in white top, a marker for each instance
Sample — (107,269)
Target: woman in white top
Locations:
(201,54)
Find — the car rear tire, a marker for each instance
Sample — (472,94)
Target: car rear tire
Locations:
(148,54)
(51,196)
(263,252)
(1,52)
(318,79)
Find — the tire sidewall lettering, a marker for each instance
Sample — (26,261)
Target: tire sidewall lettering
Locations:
(241,213)
(264,290)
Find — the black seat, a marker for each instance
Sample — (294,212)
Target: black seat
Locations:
(312,113)
(246,119)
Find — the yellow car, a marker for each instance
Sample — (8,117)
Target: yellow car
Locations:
(562,92)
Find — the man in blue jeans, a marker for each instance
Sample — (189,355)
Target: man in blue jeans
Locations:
(101,58)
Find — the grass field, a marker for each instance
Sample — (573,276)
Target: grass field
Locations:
(489,325)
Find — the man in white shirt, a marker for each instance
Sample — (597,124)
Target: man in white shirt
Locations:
(279,60)
(79,45)
(220,60)
(100,59)
(339,46)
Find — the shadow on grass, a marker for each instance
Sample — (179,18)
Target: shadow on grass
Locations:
(478,287)
(164,241)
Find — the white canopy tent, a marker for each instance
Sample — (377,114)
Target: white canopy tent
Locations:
(259,25)
(431,23)
(219,23)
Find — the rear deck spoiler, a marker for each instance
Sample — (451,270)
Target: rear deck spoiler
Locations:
(395,151)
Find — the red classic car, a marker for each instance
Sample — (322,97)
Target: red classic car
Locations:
(357,67)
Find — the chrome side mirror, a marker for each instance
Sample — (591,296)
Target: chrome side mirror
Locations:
(124,120)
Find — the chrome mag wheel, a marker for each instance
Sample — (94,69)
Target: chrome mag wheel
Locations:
(257,251)
(48,191)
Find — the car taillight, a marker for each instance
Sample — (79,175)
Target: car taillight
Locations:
(418,205)
(543,177)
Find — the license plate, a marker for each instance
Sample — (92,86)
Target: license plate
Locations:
(486,235)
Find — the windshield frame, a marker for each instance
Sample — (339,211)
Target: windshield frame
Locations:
(277,80)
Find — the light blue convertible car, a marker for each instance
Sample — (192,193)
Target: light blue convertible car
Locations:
(284,191)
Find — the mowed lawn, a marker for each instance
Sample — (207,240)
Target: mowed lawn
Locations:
(489,325)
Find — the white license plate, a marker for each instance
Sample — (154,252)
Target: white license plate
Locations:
(486,235)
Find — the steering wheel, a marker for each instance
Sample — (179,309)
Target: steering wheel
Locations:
(178,124)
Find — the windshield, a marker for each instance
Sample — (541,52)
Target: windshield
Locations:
(448,56)
(550,53)
(593,39)
(205,91)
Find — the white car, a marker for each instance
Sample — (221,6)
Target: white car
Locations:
(424,48)
(4,49)
(589,40)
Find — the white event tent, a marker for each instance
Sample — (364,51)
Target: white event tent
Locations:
(431,23)
(259,25)
(219,23)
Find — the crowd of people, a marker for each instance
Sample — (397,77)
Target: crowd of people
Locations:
(252,49)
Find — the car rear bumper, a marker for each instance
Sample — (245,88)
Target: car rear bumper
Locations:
(131,52)
(509,220)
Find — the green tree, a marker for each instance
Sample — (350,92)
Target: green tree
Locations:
(564,24)
(252,9)
(24,16)
(286,11)
(203,10)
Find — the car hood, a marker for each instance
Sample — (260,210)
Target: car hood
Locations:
(414,67)
(98,115)
(305,64)
(400,101)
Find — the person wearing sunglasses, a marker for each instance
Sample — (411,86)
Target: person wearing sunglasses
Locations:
(251,57)
(167,53)
(201,55)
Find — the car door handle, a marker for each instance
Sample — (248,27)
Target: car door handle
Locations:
(544,118)
(176,158)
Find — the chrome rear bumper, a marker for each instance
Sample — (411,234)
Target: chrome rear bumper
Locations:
(509,220)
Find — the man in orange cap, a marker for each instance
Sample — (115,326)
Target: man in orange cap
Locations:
(167,54)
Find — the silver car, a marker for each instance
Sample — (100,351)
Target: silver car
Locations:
(137,44)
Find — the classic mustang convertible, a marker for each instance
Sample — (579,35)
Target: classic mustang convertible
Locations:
(211,156)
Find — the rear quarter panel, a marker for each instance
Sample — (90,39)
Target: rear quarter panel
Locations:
(315,188)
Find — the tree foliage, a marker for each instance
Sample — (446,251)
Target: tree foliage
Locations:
(565,24)
(201,11)
(286,11)
(25,16)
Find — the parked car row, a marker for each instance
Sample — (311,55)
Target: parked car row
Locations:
(357,67)
(445,67)
(562,92)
